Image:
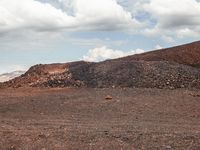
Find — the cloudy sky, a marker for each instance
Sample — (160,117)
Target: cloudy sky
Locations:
(47,31)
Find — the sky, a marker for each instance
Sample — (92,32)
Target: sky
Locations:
(55,31)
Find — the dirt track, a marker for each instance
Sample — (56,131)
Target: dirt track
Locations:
(65,119)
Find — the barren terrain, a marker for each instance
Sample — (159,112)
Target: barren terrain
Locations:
(172,68)
(140,102)
(72,119)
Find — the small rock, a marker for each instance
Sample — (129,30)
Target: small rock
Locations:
(182,86)
(106,132)
(42,136)
(12,148)
(168,147)
(108,97)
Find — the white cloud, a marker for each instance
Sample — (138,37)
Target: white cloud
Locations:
(104,14)
(173,18)
(186,32)
(85,15)
(165,35)
(158,47)
(169,15)
(103,53)
(33,15)
(96,42)
(167,38)
(163,17)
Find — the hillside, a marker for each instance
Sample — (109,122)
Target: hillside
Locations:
(175,67)
(188,54)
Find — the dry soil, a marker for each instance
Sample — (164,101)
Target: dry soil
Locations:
(83,119)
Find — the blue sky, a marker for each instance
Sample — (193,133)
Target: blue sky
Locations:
(50,31)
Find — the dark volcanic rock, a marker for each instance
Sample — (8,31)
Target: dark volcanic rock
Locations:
(159,74)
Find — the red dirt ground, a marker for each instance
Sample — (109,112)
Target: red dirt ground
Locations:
(82,119)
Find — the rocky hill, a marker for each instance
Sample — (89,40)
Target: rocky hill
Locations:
(176,67)
(188,54)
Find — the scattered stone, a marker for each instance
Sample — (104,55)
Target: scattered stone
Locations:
(106,132)
(42,136)
(182,86)
(108,97)
(12,148)
(168,147)
(194,95)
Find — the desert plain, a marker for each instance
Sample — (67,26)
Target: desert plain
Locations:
(83,119)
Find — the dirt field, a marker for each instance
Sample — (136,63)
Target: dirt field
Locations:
(82,119)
